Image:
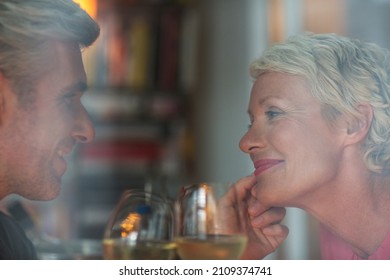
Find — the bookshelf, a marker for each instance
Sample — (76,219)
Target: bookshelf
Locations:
(141,75)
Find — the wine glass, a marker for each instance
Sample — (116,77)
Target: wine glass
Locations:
(207,227)
(140,228)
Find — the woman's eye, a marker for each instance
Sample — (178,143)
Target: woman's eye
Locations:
(250,123)
(271,114)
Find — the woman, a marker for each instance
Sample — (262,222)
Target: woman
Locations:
(319,139)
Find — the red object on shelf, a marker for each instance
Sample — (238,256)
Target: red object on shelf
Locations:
(169,49)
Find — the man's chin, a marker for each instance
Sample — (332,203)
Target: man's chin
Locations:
(52,194)
(46,194)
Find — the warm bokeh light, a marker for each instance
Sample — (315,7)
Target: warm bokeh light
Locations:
(129,224)
(90,6)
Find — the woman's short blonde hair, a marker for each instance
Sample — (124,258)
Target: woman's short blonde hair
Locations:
(343,73)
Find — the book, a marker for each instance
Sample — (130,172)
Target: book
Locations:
(169,48)
(138,40)
(188,61)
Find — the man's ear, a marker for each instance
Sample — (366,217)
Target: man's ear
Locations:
(5,93)
(3,84)
(357,128)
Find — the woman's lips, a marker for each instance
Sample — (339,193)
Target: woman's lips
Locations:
(264,164)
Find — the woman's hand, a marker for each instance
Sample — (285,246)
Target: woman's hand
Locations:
(242,212)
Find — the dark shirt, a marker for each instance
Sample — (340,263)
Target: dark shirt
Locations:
(14,244)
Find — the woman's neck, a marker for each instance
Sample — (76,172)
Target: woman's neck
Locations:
(356,207)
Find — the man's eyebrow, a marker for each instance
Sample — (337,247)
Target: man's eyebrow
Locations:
(77,87)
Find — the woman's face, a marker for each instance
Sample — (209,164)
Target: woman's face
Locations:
(294,149)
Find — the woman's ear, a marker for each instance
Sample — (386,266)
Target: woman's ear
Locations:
(358,127)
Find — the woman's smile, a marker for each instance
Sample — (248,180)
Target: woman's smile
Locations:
(264,164)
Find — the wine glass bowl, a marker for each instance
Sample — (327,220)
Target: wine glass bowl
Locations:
(205,227)
(141,227)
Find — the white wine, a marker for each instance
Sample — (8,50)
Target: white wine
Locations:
(118,249)
(212,247)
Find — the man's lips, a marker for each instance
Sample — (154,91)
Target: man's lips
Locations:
(59,162)
(264,164)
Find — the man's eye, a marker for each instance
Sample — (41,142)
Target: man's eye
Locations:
(70,97)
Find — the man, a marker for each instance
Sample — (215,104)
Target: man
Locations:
(42,79)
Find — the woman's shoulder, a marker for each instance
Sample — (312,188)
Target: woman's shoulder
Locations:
(334,248)
(383,252)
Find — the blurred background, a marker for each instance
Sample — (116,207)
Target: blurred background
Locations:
(168,93)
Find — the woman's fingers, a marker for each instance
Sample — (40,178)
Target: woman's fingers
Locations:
(243,186)
(276,230)
(271,216)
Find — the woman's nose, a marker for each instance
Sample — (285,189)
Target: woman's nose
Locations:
(83,131)
(251,140)
(244,143)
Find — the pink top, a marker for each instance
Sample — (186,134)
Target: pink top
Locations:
(333,248)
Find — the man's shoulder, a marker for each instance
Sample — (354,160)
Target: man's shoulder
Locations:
(14,243)
(7,223)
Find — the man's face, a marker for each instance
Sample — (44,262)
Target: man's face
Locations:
(35,138)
